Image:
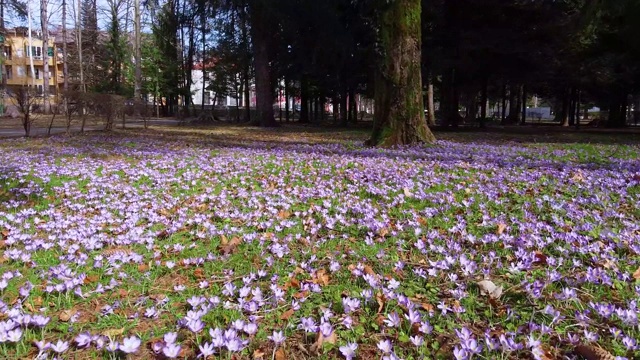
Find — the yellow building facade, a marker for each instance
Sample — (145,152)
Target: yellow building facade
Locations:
(17,55)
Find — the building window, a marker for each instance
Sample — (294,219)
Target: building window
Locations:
(33,51)
(20,71)
(37,74)
(7,52)
(9,72)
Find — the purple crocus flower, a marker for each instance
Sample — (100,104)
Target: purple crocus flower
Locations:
(171,350)
(349,350)
(130,345)
(277,337)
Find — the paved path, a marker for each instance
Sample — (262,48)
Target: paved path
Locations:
(42,131)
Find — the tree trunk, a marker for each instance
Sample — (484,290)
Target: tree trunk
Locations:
(65,67)
(344,116)
(261,32)
(523,118)
(399,116)
(286,99)
(45,55)
(636,110)
(483,102)
(572,107)
(503,119)
(431,109)
(137,87)
(353,106)
(564,116)
(304,100)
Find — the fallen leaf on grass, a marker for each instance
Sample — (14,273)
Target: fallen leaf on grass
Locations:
(380,300)
(540,258)
(143,268)
(228,247)
(501,228)
(199,273)
(301,294)
(487,287)
(113,332)
(258,354)
(280,355)
(286,315)
(636,275)
(284,214)
(593,353)
(322,278)
(321,339)
(66,315)
(578,176)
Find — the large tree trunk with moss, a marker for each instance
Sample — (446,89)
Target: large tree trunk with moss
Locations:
(399,114)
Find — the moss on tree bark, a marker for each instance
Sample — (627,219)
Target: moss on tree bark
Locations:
(399,107)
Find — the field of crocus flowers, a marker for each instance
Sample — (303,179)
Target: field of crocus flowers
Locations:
(131,246)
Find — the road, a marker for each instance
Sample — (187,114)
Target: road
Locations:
(41,131)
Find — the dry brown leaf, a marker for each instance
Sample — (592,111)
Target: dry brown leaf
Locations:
(143,268)
(321,339)
(322,278)
(501,228)
(427,307)
(283,214)
(540,258)
(66,315)
(578,176)
(294,283)
(2,244)
(383,232)
(91,279)
(280,354)
(113,332)
(369,270)
(199,273)
(636,275)
(301,294)
(230,246)
(380,300)
(590,352)
(258,354)
(286,315)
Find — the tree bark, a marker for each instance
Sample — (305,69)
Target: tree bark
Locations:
(304,100)
(137,87)
(45,55)
(399,116)
(344,112)
(483,100)
(431,109)
(503,119)
(564,116)
(353,106)
(523,118)
(260,29)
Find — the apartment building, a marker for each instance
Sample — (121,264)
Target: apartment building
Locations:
(17,53)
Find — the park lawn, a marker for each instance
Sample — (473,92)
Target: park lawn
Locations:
(192,243)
